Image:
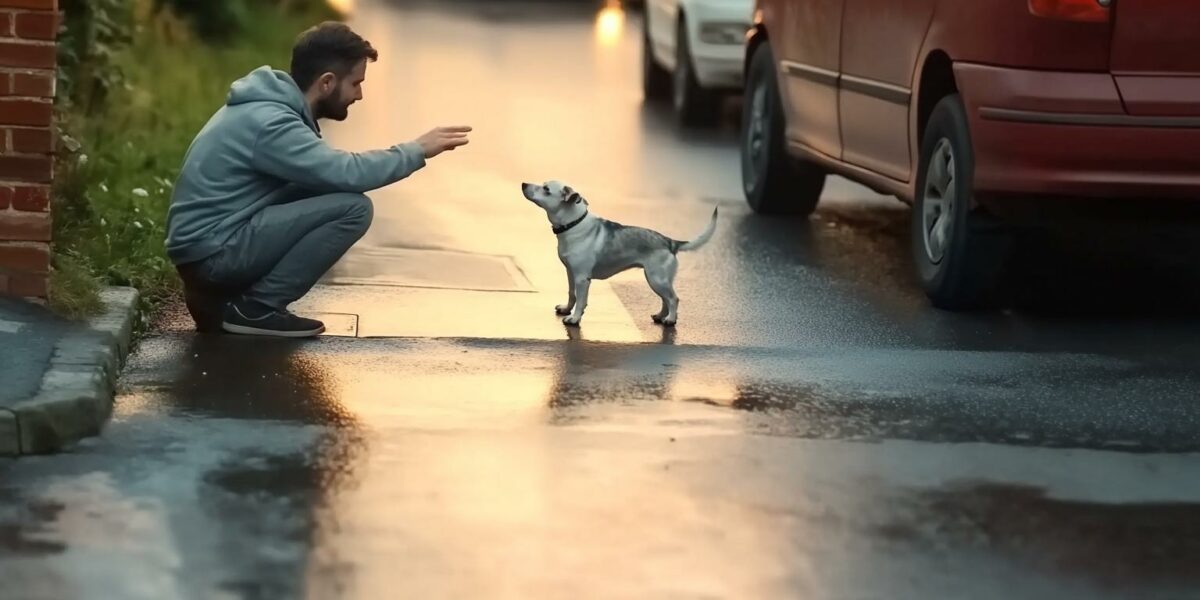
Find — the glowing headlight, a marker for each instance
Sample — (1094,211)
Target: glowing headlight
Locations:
(723,33)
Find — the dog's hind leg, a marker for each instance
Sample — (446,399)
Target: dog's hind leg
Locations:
(662,293)
(660,274)
(565,309)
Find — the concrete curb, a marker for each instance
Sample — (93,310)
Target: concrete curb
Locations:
(76,396)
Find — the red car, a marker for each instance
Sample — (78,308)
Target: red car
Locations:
(957,106)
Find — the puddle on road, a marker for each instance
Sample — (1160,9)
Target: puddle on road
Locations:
(818,411)
(245,378)
(1131,544)
(23,525)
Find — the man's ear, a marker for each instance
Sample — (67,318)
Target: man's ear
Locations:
(326,82)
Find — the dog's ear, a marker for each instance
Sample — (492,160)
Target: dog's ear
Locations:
(572,195)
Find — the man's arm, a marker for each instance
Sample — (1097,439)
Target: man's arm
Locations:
(289,150)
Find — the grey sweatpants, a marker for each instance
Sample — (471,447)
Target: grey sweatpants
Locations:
(284,250)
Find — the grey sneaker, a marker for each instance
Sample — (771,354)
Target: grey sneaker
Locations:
(243,320)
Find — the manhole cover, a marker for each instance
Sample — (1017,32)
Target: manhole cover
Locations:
(442,269)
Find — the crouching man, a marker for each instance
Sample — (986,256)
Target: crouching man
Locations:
(263,207)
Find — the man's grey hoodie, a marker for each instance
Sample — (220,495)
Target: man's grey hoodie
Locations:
(262,148)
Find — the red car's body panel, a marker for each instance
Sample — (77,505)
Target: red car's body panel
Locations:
(1156,37)
(881,41)
(1065,133)
(1056,107)
(817,124)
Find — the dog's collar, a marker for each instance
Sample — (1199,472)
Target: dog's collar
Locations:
(560,229)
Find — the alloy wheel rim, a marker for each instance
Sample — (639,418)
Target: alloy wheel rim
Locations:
(939,197)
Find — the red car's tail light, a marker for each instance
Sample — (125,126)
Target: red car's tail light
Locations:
(1091,11)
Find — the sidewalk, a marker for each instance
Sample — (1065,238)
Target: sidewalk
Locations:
(57,378)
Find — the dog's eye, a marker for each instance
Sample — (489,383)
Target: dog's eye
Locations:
(545,188)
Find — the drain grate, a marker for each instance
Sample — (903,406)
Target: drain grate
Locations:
(422,268)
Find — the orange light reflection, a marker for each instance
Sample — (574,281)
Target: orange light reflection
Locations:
(610,24)
(344,7)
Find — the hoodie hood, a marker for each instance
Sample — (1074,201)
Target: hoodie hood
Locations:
(265,84)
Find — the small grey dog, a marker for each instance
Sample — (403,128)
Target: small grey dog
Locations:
(594,248)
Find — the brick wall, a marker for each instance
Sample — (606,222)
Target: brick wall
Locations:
(28,29)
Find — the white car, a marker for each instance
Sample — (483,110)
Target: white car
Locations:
(694,51)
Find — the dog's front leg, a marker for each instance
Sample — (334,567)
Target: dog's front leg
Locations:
(580,290)
(565,309)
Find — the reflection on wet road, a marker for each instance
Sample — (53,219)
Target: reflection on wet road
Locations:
(811,429)
(529,469)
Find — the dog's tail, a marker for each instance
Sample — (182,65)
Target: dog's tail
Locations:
(699,242)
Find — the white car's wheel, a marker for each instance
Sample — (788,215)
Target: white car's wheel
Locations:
(656,81)
(694,105)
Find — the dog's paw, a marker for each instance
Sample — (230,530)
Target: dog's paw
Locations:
(562,309)
(657,318)
(571,321)
(666,322)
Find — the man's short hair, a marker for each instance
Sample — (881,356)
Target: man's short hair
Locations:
(330,47)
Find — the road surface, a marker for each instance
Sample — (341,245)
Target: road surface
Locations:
(811,429)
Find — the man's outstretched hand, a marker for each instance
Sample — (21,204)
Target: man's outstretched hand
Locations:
(442,139)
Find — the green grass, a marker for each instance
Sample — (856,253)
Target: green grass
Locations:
(76,287)
(111,197)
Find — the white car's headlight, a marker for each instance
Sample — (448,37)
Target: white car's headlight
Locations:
(723,32)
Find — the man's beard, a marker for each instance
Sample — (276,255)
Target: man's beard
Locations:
(333,107)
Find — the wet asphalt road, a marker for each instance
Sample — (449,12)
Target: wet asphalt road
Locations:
(811,429)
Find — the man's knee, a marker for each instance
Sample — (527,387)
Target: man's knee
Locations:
(359,210)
